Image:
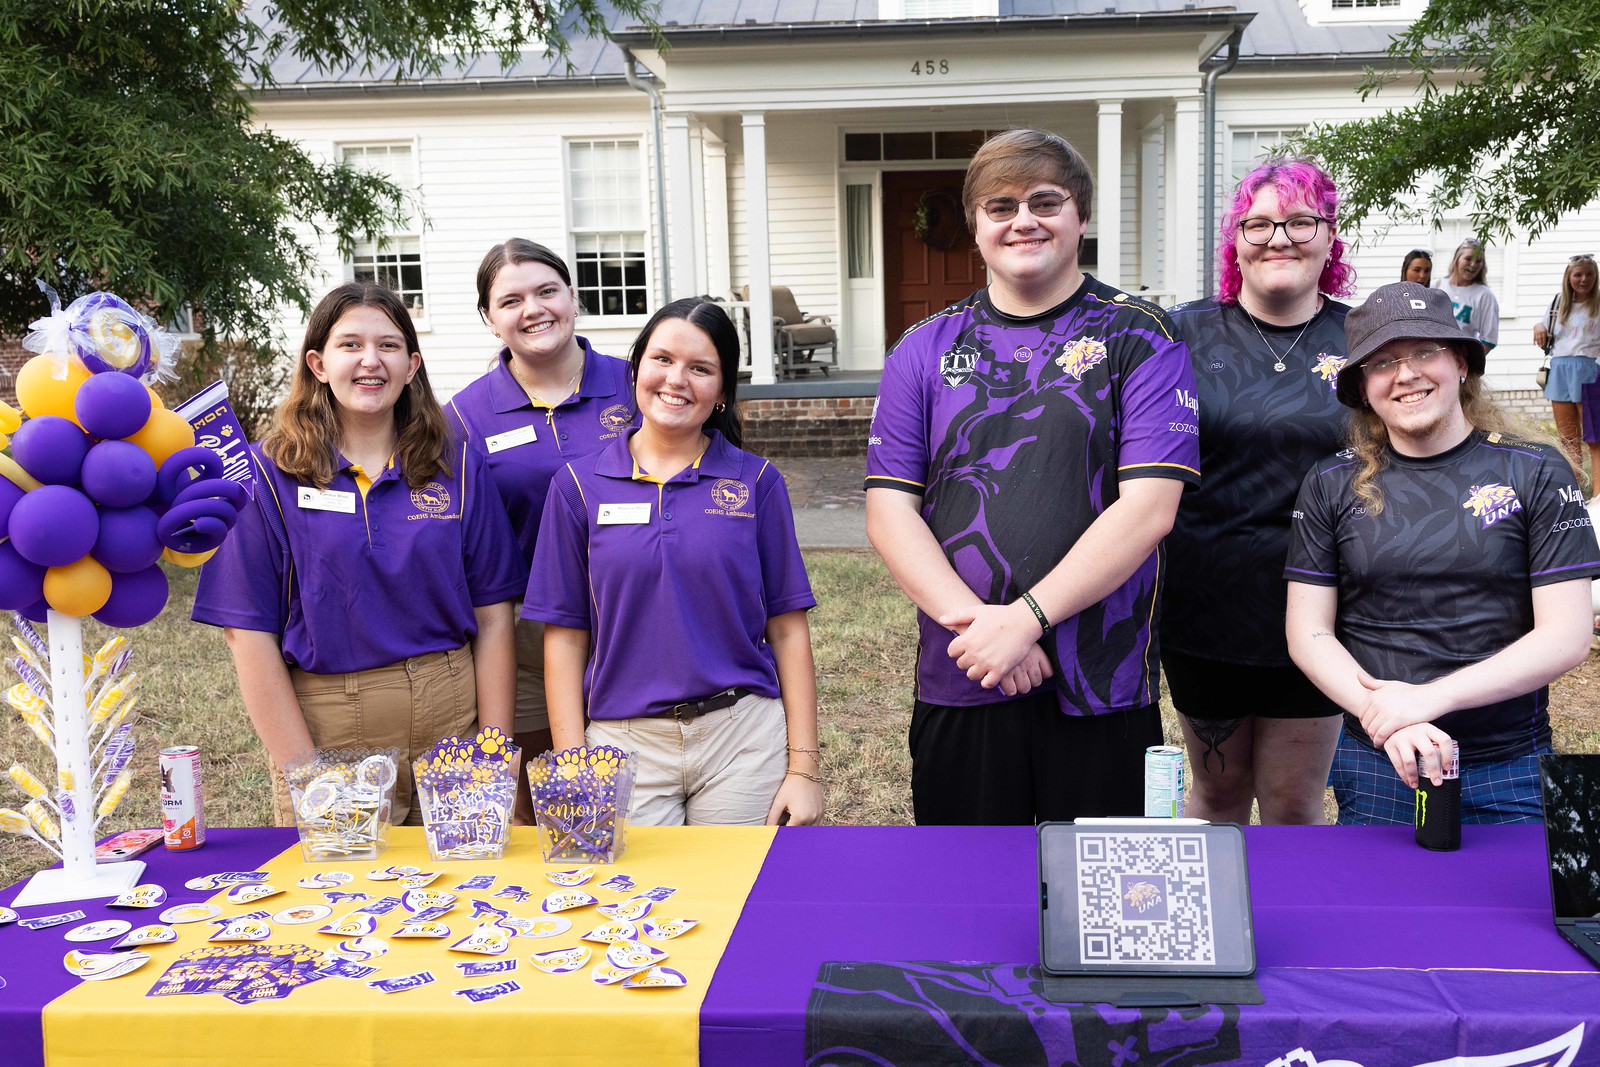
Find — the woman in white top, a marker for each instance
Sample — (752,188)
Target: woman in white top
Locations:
(1573,339)
(1473,302)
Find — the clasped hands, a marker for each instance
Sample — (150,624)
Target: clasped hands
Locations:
(1398,717)
(998,646)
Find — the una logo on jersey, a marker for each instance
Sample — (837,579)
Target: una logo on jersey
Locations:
(1492,502)
(956,366)
(1328,365)
(1081,356)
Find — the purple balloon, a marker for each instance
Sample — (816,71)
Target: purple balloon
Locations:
(54,526)
(117,474)
(135,598)
(10,493)
(51,449)
(127,540)
(21,582)
(38,611)
(112,406)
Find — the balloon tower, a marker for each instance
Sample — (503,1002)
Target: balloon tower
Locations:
(98,484)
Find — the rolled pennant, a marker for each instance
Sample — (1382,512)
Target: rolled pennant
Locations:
(24,780)
(41,820)
(114,795)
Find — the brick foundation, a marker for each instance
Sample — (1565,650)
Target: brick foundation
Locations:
(807,427)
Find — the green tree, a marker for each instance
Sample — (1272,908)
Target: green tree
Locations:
(128,160)
(1504,123)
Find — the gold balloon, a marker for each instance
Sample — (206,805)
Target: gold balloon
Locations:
(166,432)
(40,392)
(78,589)
(187,560)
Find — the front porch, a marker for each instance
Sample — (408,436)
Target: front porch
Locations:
(809,417)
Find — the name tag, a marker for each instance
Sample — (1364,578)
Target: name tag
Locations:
(625,514)
(510,439)
(313,499)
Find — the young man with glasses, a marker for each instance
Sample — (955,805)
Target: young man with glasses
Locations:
(1026,457)
(1439,571)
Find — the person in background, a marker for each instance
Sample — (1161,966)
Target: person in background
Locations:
(1417,267)
(1473,302)
(1265,353)
(1438,571)
(548,399)
(1572,338)
(366,592)
(674,597)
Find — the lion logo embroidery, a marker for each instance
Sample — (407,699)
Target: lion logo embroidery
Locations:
(431,499)
(729,495)
(616,418)
(1081,356)
(1492,502)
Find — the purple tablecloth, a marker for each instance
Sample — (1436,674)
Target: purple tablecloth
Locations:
(1369,948)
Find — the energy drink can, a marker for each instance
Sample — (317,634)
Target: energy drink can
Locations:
(1163,782)
(1438,807)
(182,798)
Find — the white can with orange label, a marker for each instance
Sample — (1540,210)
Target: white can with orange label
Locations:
(182,798)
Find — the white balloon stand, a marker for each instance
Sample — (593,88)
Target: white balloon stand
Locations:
(78,877)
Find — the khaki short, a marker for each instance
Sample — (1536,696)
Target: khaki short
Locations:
(408,706)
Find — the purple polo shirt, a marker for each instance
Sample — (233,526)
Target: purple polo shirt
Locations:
(395,576)
(675,582)
(525,444)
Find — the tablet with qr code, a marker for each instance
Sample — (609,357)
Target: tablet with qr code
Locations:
(1144,898)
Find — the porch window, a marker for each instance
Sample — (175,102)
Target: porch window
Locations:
(609,250)
(1250,147)
(858,220)
(393,259)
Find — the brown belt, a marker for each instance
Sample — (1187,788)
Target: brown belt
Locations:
(694,709)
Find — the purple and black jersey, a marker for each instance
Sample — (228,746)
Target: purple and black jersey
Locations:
(1443,578)
(1261,429)
(1016,434)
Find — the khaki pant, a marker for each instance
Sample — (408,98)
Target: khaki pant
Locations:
(721,769)
(408,706)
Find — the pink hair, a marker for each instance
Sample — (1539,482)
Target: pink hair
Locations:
(1296,181)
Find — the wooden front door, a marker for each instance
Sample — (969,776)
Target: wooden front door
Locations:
(923,274)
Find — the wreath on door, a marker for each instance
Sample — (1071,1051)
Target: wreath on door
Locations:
(938,221)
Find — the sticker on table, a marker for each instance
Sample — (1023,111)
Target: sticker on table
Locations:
(432,914)
(400,985)
(612,932)
(352,925)
(634,955)
(44,922)
(386,874)
(419,881)
(656,978)
(561,960)
(631,910)
(104,930)
(619,883)
(571,879)
(103,966)
(147,935)
(667,929)
(659,894)
(554,926)
(326,880)
(179,914)
(477,881)
(361,949)
(483,909)
(479,994)
(381,906)
(339,967)
(606,973)
(243,930)
(490,939)
(304,913)
(423,929)
(344,896)
(479,968)
(148,895)
(515,893)
(566,900)
(250,893)
(210,883)
(7,916)
(427,900)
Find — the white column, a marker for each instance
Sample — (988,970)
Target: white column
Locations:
(1183,200)
(719,277)
(1151,147)
(760,249)
(688,273)
(1108,193)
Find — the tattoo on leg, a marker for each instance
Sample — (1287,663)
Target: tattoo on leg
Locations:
(1213,732)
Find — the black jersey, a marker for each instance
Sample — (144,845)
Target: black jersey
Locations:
(1444,577)
(1261,429)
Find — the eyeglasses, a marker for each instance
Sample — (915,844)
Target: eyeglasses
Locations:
(1382,368)
(1426,252)
(1299,229)
(1040,206)
(1581,257)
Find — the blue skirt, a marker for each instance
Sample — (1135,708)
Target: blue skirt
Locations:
(1568,376)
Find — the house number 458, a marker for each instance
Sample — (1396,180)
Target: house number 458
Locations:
(930,66)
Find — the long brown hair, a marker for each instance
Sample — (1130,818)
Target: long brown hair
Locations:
(1369,438)
(1569,299)
(305,431)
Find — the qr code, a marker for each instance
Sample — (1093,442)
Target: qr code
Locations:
(1144,899)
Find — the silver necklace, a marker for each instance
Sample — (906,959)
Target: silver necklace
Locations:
(1279,364)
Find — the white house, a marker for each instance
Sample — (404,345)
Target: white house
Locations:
(797,142)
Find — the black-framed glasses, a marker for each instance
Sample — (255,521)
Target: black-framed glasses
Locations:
(1040,206)
(1382,368)
(1298,228)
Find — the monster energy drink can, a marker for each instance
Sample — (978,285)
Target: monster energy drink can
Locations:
(1163,782)
(1438,807)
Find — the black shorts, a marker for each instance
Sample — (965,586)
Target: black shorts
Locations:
(1023,761)
(1211,689)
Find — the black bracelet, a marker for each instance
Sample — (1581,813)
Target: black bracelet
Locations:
(1044,623)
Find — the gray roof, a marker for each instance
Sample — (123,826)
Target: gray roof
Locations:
(1277,35)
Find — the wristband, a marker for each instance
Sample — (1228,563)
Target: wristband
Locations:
(1044,623)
